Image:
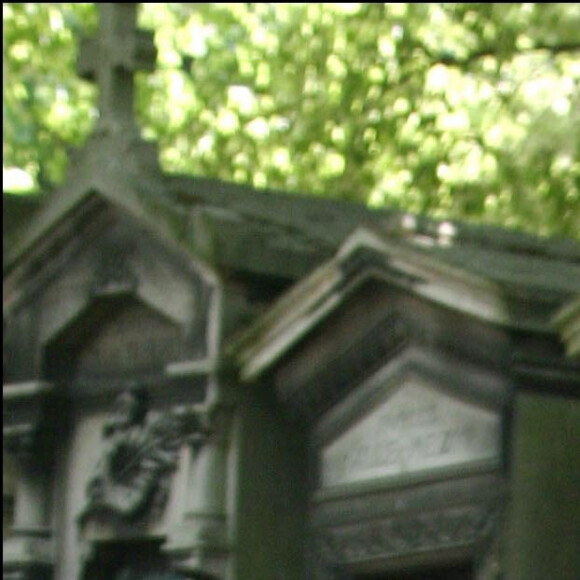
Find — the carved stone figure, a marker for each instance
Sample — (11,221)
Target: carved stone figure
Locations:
(140,452)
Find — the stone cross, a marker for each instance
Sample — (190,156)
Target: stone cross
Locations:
(112,58)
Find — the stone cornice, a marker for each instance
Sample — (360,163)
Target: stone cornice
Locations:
(366,255)
(23,415)
(567,322)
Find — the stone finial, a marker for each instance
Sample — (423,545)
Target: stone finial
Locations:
(112,58)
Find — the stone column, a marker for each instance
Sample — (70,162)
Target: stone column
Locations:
(30,501)
(27,549)
(198,545)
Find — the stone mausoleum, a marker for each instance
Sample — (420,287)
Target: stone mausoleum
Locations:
(206,381)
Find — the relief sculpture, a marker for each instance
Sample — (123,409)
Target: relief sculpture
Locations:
(131,478)
(400,536)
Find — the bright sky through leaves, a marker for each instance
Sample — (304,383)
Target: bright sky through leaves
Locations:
(465,110)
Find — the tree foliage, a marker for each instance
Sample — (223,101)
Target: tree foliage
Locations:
(459,110)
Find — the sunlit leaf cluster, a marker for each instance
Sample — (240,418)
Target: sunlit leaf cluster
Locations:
(455,110)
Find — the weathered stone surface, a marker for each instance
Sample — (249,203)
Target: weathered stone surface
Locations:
(113,56)
(416,430)
(544,516)
(132,477)
(373,421)
(26,420)
(567,321)
(113,303)
(481,295)
(355,544)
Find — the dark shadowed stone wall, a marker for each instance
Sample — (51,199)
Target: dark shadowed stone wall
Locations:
(272,499)
(544,542)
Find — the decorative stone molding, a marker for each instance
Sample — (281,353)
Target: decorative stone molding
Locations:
(132,478)
(197,545)
(342,548)
(27,552)
(355,364)
(114,273)
(567,322)
(27,555)
(23,408)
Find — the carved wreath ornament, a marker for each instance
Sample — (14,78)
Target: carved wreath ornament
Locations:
(131,478)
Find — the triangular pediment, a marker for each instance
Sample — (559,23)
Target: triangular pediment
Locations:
(415,430)
(114,340)
(77,209)
(379,289)
(98,252)
(365,256)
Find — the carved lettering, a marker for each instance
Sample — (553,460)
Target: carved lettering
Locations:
(417,429)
